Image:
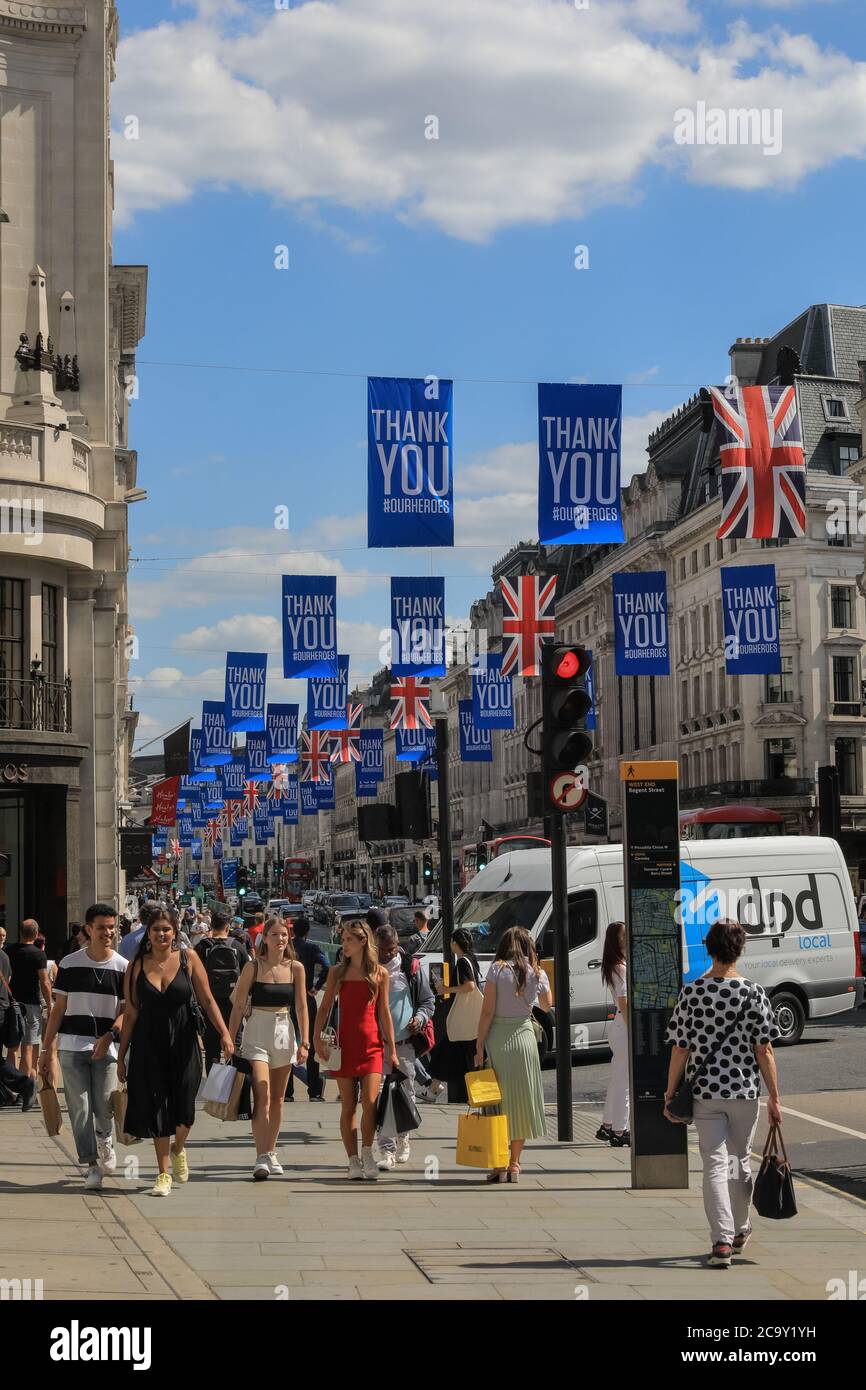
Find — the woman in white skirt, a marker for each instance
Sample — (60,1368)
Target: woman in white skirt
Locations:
(515,984)
(614,1121)
(270,987)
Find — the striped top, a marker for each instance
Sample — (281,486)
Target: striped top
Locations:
(94,994)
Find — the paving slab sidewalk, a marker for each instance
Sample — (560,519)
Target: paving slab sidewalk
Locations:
(571,1230)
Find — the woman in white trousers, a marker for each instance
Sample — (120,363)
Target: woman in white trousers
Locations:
(614,1122)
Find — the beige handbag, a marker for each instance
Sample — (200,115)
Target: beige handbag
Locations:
(464,1016)
(50,1109)
(118,1106)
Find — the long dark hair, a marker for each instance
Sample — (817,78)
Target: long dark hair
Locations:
(518,950)
(613,953)
(462,938)
(162,914)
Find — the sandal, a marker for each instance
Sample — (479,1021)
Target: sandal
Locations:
(513,1172)
(497,1175)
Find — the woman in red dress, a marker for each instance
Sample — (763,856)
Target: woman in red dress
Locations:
(359,986)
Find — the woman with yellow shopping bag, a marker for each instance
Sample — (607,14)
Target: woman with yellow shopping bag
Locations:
(515,984)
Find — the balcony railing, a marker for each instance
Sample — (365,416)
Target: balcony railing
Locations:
(767,788)
(36,704)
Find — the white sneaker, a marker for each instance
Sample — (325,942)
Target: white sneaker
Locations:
(93,1181)
(275,1165)
(386,1162)
(356,1170)
(402,1149)
(106,1157)
(262,1167)
(369,1165)
(434,1097)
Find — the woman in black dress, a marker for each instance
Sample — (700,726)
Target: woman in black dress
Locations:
(449,1061)
(162,989)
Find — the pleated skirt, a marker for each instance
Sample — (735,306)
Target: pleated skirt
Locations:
(513,1054)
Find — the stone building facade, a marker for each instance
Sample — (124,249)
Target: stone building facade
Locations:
(70,322)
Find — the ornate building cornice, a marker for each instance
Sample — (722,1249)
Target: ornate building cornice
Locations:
(54,21)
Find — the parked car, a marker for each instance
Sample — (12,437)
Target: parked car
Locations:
(277,905)
(396,900)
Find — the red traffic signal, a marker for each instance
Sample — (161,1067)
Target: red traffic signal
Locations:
(569,664)
(565,703)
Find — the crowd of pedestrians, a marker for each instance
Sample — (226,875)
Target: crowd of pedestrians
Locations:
(154,1009)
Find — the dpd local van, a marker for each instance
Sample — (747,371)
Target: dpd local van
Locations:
(791,893)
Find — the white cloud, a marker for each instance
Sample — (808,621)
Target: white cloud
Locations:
(545,111)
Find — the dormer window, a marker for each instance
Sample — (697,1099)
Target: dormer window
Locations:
(835,408)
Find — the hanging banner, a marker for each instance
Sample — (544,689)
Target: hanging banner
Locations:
(345,743)
(246,675)
(309,800)
(217,849)
(365,785)
(234,775)
(412,744)
(185,832)
(163,805)
(761,458)
(372,743)
(417,627)
(476,745)
(589,717)
(198,773)
(326,792)
(410,487)
(492,694)
(282,729)
(238,832)
(213,798)
(327,698)
(230,874)
(194,879)
(216,747)
(257,765)
(751,617)
(410,703)
(527,621)
(287,806)
(196,849)
(315,755)
(309,625)
(175,748)
(579,464)
(640,614)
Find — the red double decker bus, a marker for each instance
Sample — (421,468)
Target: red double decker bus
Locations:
(297,878)
(473,858)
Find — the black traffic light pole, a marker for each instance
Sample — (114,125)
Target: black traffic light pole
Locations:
(446,877)
(562,983)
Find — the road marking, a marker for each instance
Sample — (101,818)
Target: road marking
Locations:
(825,1124)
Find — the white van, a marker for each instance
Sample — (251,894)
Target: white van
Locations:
(792,894)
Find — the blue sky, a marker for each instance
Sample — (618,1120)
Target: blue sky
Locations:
(304,129)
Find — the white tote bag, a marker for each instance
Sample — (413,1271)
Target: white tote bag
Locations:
(464,1016)
(219,1083)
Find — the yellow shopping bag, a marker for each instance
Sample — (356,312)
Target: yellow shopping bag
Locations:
(482,1088)
(482,1141)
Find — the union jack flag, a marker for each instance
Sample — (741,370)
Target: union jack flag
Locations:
(410,696)
(175,848)
(212,832)
(528,621)
(252,797)
(314,755)
(347,741)
(761,455)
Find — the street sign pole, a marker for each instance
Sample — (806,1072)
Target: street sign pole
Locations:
(446,875)
(562,1006)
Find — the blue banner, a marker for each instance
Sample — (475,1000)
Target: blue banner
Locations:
(234,775)
(410,483)
(216,744)
(309,800)
(751,616)
(309,625)
(230,873)
(476,745)
(239,831)
(263,826)
(417,627)
(194,880)
(258,767)
(326,794)
(287,806)
(213,798)
(589,719)
(413,744)
(372,748)
(579,465)
(217,849)
(282,730)
(640,615)
(364,785)
(198,773)
(492,694)
(246,676)
(185,832)
(328,697)
(196,849)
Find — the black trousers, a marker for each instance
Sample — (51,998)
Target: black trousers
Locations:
(212,1037)
(315,1084)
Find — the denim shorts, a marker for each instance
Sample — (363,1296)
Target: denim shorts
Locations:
(32,1024)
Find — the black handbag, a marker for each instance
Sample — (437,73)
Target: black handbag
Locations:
(195,1008)
(681,1103)
(406,1115)
(773,1193)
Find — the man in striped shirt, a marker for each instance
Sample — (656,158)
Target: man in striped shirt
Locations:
(84,1028)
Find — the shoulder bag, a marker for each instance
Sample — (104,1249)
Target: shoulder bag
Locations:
(464,1016)
(773,1194)
(195,1008)
(330,1037)
(681,1103)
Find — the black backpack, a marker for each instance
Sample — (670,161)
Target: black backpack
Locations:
(223,967)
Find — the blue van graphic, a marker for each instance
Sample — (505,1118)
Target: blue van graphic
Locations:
(699,908)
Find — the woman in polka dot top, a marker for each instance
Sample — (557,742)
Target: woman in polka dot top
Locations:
(725,1094)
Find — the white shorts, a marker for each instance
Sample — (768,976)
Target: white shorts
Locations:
(259,1040)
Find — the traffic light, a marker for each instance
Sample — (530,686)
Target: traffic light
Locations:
(565,703)
(482,857)
(428,866)
(243,880)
